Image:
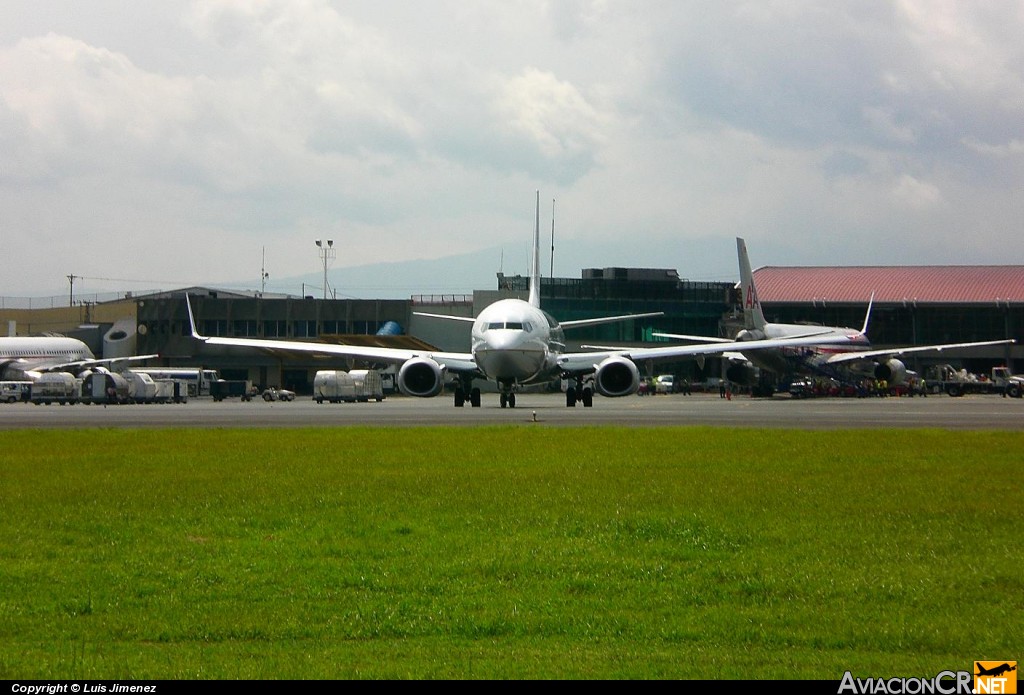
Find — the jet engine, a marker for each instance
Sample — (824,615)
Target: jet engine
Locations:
(616,376)
(893,371)
(421,376)
(750,334)
(741,373)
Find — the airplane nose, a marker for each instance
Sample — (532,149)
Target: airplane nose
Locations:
(507,355)
(504,340)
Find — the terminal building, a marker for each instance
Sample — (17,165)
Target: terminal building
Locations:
(911,306)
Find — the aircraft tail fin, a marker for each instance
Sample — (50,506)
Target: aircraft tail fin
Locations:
(753,318)
(535,265)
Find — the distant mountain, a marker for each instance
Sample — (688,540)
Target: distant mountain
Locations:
(708,260)
(399,280)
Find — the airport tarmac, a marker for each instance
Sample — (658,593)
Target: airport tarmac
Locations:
(974,412)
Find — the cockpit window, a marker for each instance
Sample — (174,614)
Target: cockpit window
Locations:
(507,325)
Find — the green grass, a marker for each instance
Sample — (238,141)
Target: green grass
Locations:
(511,552)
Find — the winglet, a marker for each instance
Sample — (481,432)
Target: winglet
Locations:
(867,316)
(192,319)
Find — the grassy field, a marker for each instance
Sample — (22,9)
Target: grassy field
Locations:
(513,552)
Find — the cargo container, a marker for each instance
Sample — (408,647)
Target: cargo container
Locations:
(56,387)
(368,385)
(334,387)
(105,388)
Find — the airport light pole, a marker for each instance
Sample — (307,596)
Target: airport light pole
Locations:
(263,273)
(326,254)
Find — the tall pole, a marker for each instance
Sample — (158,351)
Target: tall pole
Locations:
(71,296)
(326,254)
(551,272)
(263,273)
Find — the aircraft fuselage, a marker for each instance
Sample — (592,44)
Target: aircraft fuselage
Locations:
(20,357)
(514,342)
(800,359)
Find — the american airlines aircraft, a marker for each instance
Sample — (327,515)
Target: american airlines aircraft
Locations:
(831,351)
(27,358)
(513,343)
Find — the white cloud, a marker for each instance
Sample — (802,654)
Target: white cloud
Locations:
(423,129)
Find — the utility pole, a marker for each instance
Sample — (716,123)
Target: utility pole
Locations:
(71,297)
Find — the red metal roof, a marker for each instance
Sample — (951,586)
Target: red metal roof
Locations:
(956,284)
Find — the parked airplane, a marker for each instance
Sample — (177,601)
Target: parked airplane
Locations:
(27,358)
(832,351)
(513,343)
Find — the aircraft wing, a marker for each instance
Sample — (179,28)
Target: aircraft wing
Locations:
(449,317)
(85,364)
(564,324)
(709,339)
(456,361)
(607,319)
(895,352)
(587,361)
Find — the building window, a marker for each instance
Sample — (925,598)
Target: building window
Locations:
(304,329)
(244,329)
(275,329)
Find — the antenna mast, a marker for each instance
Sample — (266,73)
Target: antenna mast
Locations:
(551,272)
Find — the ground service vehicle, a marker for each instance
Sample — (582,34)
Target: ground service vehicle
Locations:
(231,388)
(197,380)
(946,379)
(275,394)
(665,383)
(1012,385)
(14,391)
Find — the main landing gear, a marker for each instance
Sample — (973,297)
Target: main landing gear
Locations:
(465,391)
(579,393)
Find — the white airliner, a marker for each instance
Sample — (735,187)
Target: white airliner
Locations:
(513,343)
(27,358)
(837,352)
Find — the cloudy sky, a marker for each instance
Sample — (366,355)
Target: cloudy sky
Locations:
(161,144)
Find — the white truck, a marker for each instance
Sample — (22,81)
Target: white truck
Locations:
(946,379)
(14,391)
(1011,385)
(195,379)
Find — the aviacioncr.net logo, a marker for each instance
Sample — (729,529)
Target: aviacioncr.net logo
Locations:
(944,683)
(997,677)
